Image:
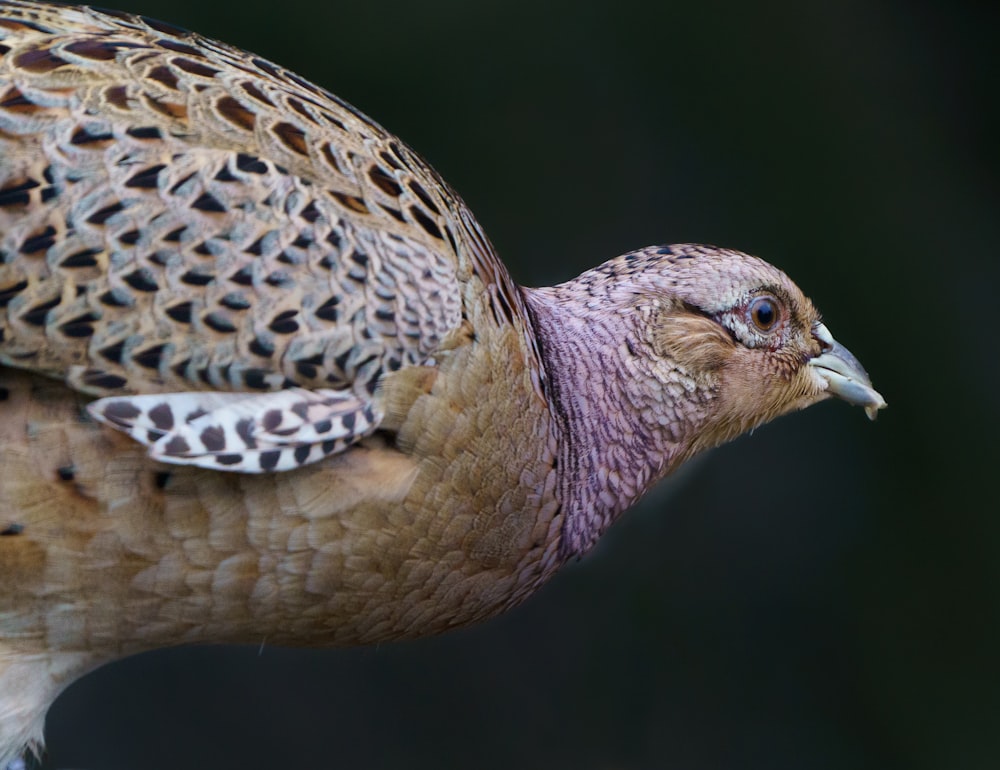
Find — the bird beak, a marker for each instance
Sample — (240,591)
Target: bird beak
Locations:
(843,374)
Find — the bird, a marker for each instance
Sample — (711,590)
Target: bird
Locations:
(264,377)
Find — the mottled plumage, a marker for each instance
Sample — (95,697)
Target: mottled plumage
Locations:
(372,432)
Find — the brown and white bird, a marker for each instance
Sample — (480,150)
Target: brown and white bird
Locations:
(325,414)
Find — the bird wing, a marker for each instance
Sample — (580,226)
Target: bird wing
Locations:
(178,216)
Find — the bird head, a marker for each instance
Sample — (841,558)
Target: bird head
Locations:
(709,343)
(738,330)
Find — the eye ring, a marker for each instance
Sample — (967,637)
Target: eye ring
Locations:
(764,313)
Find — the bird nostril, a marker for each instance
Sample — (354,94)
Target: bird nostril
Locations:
(823,337)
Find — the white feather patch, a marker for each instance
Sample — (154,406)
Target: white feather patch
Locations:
(242,432)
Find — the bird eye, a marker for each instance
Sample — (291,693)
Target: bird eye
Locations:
(764,313)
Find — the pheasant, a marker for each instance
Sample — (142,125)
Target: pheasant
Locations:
(262,376)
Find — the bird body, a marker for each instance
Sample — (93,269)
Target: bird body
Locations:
(326,414)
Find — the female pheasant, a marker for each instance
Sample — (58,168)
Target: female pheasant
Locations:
(325,414)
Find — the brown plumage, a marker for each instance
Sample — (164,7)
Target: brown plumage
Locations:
(326,414)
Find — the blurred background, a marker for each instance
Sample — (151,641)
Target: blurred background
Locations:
(823,594)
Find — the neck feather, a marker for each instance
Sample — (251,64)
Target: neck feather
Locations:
(627,415)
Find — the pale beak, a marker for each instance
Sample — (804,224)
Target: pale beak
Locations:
(844,376)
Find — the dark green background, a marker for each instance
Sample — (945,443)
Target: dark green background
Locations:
(823,594)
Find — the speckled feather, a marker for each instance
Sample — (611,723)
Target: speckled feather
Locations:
(253,276)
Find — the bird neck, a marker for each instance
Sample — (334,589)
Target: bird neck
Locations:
(625,419)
